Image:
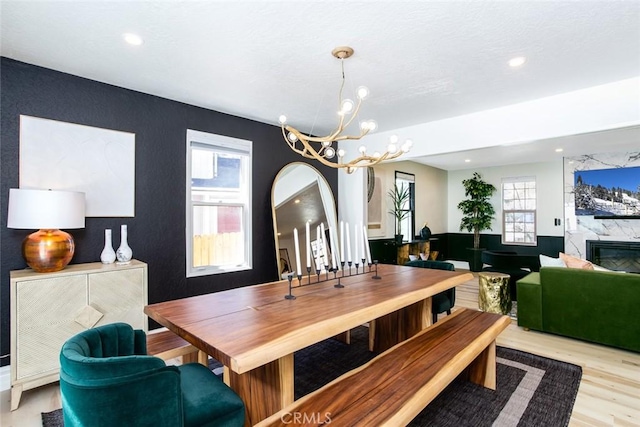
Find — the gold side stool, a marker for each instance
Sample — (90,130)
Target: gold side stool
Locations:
(493,292)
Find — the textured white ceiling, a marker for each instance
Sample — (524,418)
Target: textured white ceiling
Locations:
(422,60)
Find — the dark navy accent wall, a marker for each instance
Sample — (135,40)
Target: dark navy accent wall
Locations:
(157,232)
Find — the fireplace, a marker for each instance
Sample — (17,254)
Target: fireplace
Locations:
(621,256)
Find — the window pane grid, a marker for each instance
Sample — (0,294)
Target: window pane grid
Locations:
(218,204)
(407,224)
(519,212)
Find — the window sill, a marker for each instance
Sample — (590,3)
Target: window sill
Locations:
(210,271)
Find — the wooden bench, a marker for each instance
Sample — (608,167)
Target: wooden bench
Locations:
(167,345)
(398,384)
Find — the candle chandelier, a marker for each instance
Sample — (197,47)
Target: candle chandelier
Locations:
(324,148)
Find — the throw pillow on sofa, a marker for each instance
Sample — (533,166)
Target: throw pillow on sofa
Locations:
(573,262)
(547,261)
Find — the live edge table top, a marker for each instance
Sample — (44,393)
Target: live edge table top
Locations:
(245,328)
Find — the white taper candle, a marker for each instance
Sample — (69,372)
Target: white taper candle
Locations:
(318,244)
(307,248)
(366,243)
(296,243)
(342,241)
(356,243)
(362,243)
(324,244)
(334,250)
(348,244)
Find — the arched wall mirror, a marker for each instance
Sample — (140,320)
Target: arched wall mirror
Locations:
(301,194)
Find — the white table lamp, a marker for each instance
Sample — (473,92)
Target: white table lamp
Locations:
(48,249)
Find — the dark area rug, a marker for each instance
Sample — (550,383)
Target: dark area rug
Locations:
(531,390)
(52,419)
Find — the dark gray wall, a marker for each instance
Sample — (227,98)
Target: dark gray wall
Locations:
(156,233)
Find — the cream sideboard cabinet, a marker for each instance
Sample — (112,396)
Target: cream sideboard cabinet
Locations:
(49,308)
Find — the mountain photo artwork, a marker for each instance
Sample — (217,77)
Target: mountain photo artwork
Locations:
(608,193)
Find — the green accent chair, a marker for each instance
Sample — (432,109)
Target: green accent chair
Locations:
(107,379)
(444,301)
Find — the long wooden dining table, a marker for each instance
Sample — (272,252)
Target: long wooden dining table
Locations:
(254,331)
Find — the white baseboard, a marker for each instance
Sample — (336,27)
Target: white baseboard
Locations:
(5,378)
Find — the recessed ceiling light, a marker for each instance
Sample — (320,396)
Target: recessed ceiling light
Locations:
(517,61)
(467,160)
(132,39)
(296,201)
(559,150)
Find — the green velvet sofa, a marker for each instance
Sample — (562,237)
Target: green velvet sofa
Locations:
(595,306)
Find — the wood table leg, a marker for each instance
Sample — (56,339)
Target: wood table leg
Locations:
(393,328)
(264,390)
(344,337)
(482,370)
(190,357)
(372,335)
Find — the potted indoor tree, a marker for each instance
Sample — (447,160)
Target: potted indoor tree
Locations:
(477,214)
(399,198)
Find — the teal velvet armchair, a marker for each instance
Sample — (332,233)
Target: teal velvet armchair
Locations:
(106,379)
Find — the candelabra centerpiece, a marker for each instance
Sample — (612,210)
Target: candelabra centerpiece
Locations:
(337,264)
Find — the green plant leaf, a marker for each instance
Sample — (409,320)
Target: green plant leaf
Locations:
(399,197)
(477,211)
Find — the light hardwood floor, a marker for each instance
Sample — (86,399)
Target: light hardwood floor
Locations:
(609,393)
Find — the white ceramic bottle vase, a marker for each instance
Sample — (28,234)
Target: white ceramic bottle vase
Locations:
(108,255)
(124,252)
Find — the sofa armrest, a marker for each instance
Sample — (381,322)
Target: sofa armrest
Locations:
(530,302)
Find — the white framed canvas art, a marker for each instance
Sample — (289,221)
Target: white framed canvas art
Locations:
(68,156)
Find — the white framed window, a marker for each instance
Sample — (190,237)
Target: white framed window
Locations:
(519,211)
(218,205)
(407,225)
